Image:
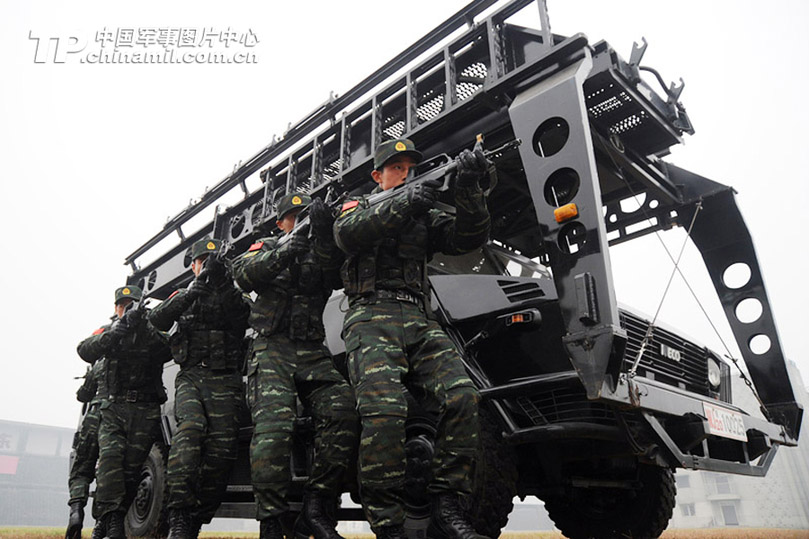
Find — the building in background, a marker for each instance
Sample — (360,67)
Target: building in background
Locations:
(34,462)
(779,500)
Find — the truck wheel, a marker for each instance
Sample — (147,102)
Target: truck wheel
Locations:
(148,515)
(611,512)
(419,450)
(495,484)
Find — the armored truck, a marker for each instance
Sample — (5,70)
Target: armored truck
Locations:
(587,404)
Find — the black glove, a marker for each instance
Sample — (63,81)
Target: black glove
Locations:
(472,167)
(297,244)
(421,196)
(199,287)
(118,330)
(133,316)
(321,218)
(217,273)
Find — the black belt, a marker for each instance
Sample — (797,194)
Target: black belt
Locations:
(219,370)
(399,295)
(133,395)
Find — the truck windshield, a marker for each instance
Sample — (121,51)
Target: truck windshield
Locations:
(489,260)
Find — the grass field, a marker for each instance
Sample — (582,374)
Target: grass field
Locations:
(735,533)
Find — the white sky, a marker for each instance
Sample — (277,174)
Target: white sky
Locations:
(96,157)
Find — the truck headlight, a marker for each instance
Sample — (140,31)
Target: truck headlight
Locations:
(714,373)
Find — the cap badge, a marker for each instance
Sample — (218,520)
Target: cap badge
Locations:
(296,200)
(126,291)
(210,246)
(400,146)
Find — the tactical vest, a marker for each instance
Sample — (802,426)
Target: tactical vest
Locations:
(99,373)
(132,373)
(205,336)
(394,263)
(293,302)
(94,387)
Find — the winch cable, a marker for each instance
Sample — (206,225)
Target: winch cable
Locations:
(647,337)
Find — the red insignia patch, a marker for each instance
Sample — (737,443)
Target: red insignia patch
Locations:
(350,204)
(99,331)
(256,246)
(173,294)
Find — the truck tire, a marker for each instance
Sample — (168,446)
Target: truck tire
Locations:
(148,515)
(611,512)
(495,484)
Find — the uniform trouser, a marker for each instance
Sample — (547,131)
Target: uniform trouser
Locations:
(279,368)
(85,447)
(391,343)
(203,449)
(125,437)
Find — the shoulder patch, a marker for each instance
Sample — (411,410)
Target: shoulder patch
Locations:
(348,207)
(256,246)
(99,331)
(350,204)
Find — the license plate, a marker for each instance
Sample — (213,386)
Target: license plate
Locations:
(724,422)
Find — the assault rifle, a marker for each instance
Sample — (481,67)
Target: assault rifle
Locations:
(444,167)
(441,166)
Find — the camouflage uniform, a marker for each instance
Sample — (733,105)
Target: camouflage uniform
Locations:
(391,339)
(288,356)
(85,442)
(130,418)
(208,346)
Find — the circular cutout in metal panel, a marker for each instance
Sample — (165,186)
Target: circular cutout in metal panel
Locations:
(550,137)
(561,187)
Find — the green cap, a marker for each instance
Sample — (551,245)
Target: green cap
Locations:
(290,202)
(204,246)
(128,292)
(388,149)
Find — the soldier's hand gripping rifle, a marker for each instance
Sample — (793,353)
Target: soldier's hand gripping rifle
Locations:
(121,327)
(216,267)
(315,219)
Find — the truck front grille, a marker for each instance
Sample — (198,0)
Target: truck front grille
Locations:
(667,358)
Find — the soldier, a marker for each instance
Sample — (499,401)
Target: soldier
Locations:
(85,446)
(391,339)
(130,417)
(212,318)
(289,357)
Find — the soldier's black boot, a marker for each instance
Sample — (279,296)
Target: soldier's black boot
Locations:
(114,524)
(395,531)
(270,528)
(316,518)
(99,531)
(180,524)
(448,520)
(75,521)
